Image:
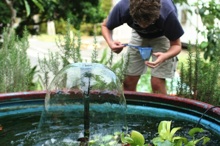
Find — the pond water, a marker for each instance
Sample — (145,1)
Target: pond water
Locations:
(21,128)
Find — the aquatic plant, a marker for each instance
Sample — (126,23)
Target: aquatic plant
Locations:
(166,137)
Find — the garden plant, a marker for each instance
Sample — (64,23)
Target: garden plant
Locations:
(199,74)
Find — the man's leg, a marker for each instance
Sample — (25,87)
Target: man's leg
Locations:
(158,85)
(135,64)
(165,69)
(130,83)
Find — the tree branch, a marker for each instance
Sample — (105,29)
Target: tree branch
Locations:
(9,3)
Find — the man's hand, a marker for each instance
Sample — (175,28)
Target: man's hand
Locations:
(116,46)
(161,57)
(174,50)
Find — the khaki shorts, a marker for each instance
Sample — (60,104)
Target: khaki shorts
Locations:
(136,64)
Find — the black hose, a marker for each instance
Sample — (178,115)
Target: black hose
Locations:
(205,113)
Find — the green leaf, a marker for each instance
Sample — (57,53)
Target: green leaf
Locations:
(137,137)
(178,143)
(174,130)
(157,140)
(178,138)
(164,129)
(39,5)
(197,140)
(204,45)
(27,7)
(126,139)
(165,143)
(104,56)
(129,140)
(168,126)
(162,126)
(194,142)
(195,130)
(190,143)
(205,140)
(123,138)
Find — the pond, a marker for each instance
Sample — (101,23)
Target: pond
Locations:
(86,102)
(20,115)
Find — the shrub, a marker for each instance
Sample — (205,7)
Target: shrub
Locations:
(16,73)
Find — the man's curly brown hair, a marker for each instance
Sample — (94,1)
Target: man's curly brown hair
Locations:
(145,10)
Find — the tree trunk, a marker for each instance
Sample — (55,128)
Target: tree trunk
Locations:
(9,3)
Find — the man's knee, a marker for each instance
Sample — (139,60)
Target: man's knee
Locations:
(130,83)
(158,85)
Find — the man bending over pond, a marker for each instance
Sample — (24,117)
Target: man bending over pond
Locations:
(154,24)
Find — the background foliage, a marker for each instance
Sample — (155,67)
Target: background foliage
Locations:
(30,13)
(198,76)
(16,73)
